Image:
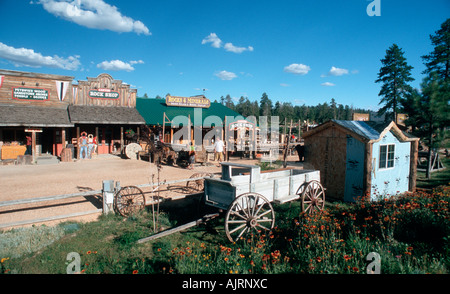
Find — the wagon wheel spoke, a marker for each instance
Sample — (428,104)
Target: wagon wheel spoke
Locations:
(248,212)
(313,197)
(238,228)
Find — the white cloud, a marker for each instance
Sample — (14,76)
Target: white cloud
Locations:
(335,71)
(230,47)
(27,57)
(213,39)
(94,14)
(284,85)
(225,75)
(136,62)
(298,69)
(116,65)
(328,84)
(216,42)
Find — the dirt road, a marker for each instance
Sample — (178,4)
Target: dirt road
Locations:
(31,181)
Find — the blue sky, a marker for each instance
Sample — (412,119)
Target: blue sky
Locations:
(303,52)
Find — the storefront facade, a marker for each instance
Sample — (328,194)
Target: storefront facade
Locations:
(106,109)
(50,113)
(184,120)
(35,106)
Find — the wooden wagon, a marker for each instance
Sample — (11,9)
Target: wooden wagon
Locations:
(244,194)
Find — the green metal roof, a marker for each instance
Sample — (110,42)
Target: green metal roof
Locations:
(152,110)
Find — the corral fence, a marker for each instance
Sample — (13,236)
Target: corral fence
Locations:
(107,194)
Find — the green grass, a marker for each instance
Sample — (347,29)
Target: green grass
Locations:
(411,234)
(437,178)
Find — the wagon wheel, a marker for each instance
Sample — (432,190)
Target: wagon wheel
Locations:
(129,200)
(313,197)
(247,213)
(197,185)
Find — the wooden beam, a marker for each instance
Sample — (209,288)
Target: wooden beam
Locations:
(367,176)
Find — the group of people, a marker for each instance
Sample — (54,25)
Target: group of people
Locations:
(218,153)
(87,144)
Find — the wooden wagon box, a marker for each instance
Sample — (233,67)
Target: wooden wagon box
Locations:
(278,186)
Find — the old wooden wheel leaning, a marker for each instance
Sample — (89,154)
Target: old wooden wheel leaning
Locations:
(197,185)
(129,200)
(248,213)
(313,197)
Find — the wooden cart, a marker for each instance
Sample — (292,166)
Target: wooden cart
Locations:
(244,194)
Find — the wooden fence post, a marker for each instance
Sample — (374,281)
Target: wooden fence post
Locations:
(108,196)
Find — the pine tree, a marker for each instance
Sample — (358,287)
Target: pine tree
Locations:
(265,105)
(433,112)
(395,75)
(439,59)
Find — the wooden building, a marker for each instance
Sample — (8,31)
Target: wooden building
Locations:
(181,120)
(34,105)
(362,158)
(105,108)
(53,112)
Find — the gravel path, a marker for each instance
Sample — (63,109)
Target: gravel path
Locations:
(30,181)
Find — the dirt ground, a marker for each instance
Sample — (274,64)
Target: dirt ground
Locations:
(31,181)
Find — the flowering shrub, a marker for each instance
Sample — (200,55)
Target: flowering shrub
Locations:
(409,232)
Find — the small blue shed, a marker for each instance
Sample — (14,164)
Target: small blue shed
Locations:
(362,158)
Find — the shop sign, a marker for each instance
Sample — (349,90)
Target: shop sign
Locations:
(33,130)
(196,101)
(103,94)
(240,124)
(30,94)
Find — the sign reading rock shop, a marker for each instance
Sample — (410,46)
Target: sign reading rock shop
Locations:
(30,94)
(103,94)
(195,101)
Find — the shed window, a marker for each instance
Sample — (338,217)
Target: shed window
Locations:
(387,156)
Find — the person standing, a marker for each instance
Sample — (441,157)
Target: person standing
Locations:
(28,151)
(90,145)
(191,156)
(218,150)
(82,143)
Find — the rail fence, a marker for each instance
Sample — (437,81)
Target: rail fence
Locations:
(107,194)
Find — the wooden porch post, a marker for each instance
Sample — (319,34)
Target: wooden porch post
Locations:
(413,165)
(33,145)
(78,147)
(121,140)
(367,177)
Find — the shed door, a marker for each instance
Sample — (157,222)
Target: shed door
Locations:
(354,169)
(334,169)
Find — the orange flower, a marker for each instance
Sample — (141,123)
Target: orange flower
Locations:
(347,257)
(135,272)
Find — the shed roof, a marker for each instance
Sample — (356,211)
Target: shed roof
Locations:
(34,116)
(89,114)
(367,131)
(152,110)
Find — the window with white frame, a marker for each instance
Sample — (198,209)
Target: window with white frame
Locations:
(387,153)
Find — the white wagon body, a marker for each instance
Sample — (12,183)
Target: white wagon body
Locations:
(276,186)
(246,193)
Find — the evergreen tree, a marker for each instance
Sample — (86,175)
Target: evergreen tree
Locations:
(229,102)
(439,59)
(432,112)
(395,75)
(265,105)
